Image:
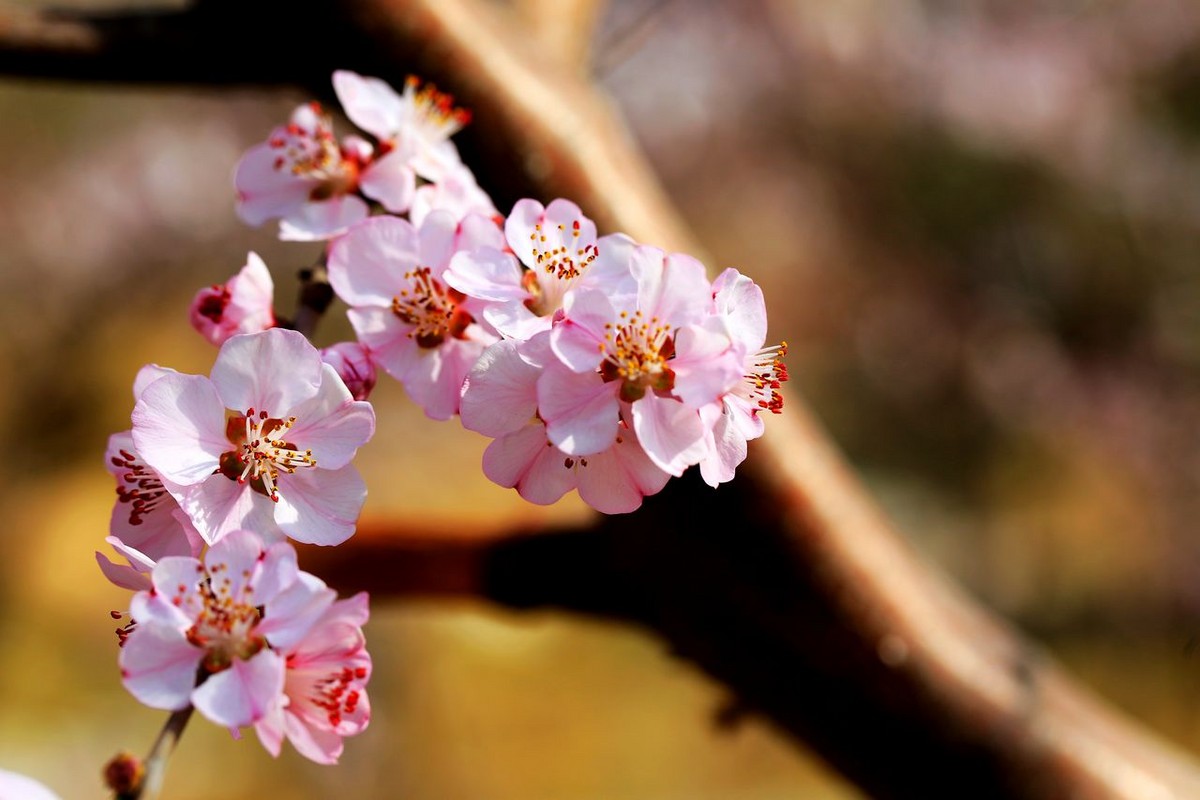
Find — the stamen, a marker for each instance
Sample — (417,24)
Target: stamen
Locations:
(262,454)
(431,308)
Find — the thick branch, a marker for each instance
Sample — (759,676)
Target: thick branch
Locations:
(788,586)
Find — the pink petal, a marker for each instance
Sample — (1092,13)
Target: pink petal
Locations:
(318,745)
(158,666)
(270,727)
(367,265)
(580,410)
(577,339)
(124,576)
(706,366)
(386,337)
(671,287)
(671,433)
(273,371)
(321,506)
(315,221)
(527,461)
(292,613)
(235,558)
(391,181)
(370,103)
(520,230)
(727,450)
(148,375)
(486,274)
(500,395)
(219,505)
(179,427)
(437,234)
(615,481)
(265,192)
(332,424)
(433,377)
(740,301)
(242,694)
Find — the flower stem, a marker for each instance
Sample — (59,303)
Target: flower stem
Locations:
(156,761)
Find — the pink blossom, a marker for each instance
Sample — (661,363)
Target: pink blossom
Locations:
(324,695)
(212,634)
(309,181)
(241,305)
(264,444)
(353,363)
(500,400)
(556,250)
(421,331)
(740,304)
(659,350)
(416,126)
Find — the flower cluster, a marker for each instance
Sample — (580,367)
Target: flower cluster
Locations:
(246,638)
(595,363)
(238,462)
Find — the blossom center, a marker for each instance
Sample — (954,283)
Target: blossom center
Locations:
(261,452)
(139,486)
(432,308)
(225,626)
(765,371)
(315,155)
(433,112)
(213,304)
(555,268)
(636,352)
(334,693)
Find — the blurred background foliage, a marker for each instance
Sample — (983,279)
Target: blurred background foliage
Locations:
(977,224)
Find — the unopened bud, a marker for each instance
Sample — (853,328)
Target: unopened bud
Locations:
(354,365)
(124,773)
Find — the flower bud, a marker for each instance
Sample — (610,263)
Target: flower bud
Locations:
(353,363)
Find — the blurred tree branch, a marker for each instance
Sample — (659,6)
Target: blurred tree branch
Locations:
(788,586)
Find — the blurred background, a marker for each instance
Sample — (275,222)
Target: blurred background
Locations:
(977,225)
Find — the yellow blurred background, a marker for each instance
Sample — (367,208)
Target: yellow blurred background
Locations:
(977,225)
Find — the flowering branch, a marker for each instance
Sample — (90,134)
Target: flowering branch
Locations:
(788,585)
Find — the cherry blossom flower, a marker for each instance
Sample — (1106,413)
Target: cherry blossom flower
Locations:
(739,302)
(416,126)
(14,786)
(421,331)
(263,444)
(659,350)
(324,695)
(211,634)
(243,304)
(304,177)
(353,363)
(500,400)
(558,249)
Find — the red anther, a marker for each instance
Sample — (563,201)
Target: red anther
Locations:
(115,614)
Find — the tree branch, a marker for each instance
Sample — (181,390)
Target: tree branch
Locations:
(788,585)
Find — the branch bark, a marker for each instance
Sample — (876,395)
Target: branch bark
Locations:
(788,586)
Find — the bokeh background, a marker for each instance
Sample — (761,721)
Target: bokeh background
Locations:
(977,224)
